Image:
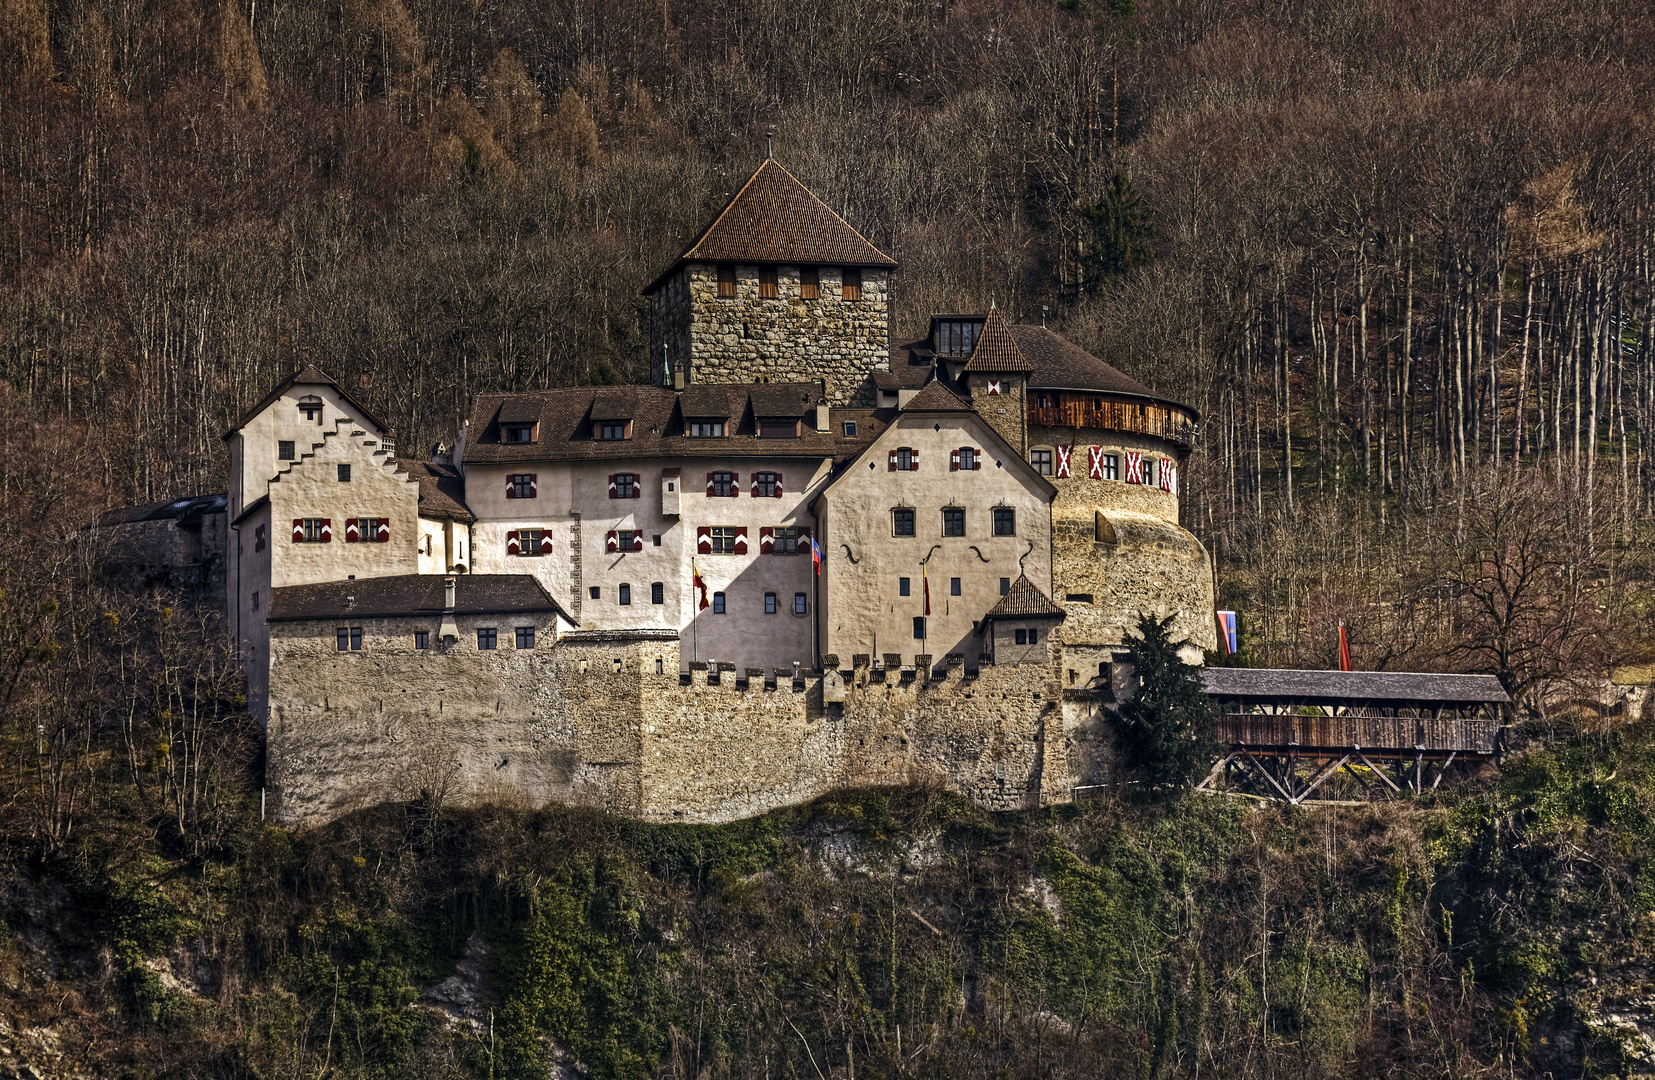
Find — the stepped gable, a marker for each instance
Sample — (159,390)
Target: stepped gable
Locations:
(775,219)
(307,376)
(1024,601)
(412,594)
(997,349)
(658,417)
(937,398)
(1059,364)
(441,489)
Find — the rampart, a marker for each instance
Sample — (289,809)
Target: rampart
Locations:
(610,720)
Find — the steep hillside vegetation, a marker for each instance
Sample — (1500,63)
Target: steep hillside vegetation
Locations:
(1503,928)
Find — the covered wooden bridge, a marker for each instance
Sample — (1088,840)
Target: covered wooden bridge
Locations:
(1286,733)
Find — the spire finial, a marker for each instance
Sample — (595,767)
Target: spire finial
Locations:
(769,150)
(991,304)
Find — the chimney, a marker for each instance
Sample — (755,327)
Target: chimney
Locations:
(449,630)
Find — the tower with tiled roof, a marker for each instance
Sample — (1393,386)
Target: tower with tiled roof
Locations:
(778,288)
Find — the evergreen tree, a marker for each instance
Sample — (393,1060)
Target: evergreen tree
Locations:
(1167,727)
(1121,230)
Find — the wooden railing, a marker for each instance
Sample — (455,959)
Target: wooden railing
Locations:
(1261,730)
(1161,421)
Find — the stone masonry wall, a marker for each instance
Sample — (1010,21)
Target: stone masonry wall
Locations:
(609,721)
(748,338)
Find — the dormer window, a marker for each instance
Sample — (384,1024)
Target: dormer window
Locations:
(310,409)
(957,337)
(517,433)
(613,429)
(706,429)
(776,428)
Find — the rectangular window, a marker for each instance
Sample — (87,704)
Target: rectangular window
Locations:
(769,603)
(902,586)
(1005,585)
(487,637)
(522,485)
(313,529)
(726,279)
(258,538)
(904,459)
(778,429)
(724,485)
(1042,461)
(850,429)
(284,450)
(953,586)
(785,540)
(525,637)
(658,593)
(344,474)
(1149,471)
(919,627)
(349,638)
(611,430)
(311,409)
(626,485)
(902,523)
(953,521)
(707,429)
(1111,466)
(723,539)
(767,281)
(626,596)
(767,484)
(810,283)
(718,603)
(519,433)
(852,284)
(370,529)
(1005,521)
(628,538)
(528,541)
(1022,637)
(422,639)
(800,605)
(968,458)
(594,592)
(255,599)
(1034,636)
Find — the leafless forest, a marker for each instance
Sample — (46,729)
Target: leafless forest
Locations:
(1398,254)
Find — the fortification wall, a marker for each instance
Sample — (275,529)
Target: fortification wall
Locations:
(1134,562)
(609,721)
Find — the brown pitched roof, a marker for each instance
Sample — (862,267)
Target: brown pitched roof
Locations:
(658,425)
(784,399)
(188,511)
(308,376)
(411,594)
(776,219)
(997,349)
(1275,684)
(937,398)
(441,490)
(1062,365)
(1024,601)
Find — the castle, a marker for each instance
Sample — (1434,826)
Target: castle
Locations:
(800,558)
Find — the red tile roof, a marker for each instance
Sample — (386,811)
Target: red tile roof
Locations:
(776,219)
(997,349)
(1024,601)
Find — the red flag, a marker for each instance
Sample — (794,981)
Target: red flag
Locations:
(1344,649)
(697,583)
(925,580)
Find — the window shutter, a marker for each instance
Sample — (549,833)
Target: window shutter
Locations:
(637,540)
(637,487)
(511,489)
(778,485)
(611,541)
(612,485)
(913,459)
(1134,467)
(755,484)
(384,536)
(327,530)
(534,485)
(891,467)
(1063,453)
(545,541)
(741,540)
(512,547)
(709,485)
(1094,462)
(953,461)
(767,540)
(976,458)
(298,530)
(352,532)
(803,547)
(704,540)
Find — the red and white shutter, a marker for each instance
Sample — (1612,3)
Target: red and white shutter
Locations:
(534,485)
(976,458)
(511,487)
(803,546)
(891,466)
(755,484)
(353,532)
(994,388)
(741,540)
(637,540)
(778,485)
(1169,476)
(913,459)
(1063,453)
(953,461)
(709,485)
(1094,463)
(611,541)
(384,534)
(1134,467)
(512,547)
(545,541)
(612,494)
(637,488)
(327,530)
(767,540)
(298,530)
(704,540)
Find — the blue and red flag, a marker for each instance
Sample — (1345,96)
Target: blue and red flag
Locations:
(816,556)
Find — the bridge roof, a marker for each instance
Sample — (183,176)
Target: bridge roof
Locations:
(1289,686)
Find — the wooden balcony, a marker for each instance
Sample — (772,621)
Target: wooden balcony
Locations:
(1112,414)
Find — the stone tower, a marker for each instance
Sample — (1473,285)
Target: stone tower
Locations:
(778,288)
